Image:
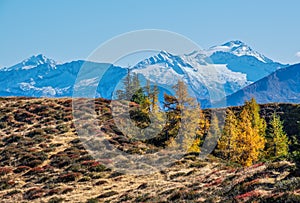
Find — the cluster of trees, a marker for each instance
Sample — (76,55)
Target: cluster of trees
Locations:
(146,97)
(244,138)
(147,115)
(184,123)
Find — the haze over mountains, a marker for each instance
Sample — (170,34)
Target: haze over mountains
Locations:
(233,69)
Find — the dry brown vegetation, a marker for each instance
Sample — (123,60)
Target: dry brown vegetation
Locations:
(43,160)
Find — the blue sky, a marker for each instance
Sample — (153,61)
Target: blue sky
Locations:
(67,30)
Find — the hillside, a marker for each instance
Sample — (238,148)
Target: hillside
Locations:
(43,160)
(280,86)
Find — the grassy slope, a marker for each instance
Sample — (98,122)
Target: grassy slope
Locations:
(43,160)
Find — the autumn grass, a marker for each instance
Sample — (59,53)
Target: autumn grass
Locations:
(43,160)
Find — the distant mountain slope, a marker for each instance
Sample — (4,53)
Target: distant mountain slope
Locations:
(280,86)
(42,77)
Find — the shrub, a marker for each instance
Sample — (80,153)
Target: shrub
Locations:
(107,194)
(13,192)
(92,200)
(3,125)
(34,163)
(283,198)
(34,193)
(183,194)
(115,174)
(68,177)
(32,159)
(288,185)
(6,183)
(66,190)
(35,132)
(35,171)
(67,118)
(5,170)
(97,168)
(101,182)
(60,160)
(250,194)
(84,179)
(21,169)
(50,130)
(12,138)
(23,117)
(198,164)
(63,128)
(53,145)
(85,158)
(53,192)
(56,200)
(75,141)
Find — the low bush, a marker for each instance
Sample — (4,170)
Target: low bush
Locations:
(60,160)
(5,170)
(12,138)
(92,200)
(13,192)
(56,200)
(6,183)
(34,193)
(21,169)
(68,177)
(107,194)
(288,185)
(85,179)
(35,132)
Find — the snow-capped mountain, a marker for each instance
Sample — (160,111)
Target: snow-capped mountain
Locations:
(32,62)
(202,77)
(239,57)
(46,78)
(238,48)
(212,73)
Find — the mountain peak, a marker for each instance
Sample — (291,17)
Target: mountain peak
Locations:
(32,62)
(239,48)
(37,60)
(38,57)
(234,43)
(164,54)
(230,46)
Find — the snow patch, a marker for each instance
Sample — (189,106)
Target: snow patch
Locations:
(91,82)
(47,91)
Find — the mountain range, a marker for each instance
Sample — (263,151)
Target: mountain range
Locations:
(232,70)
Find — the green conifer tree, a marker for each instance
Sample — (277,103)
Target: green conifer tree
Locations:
(277,140)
